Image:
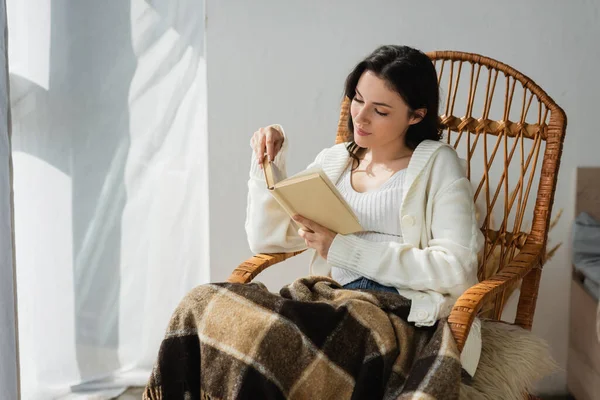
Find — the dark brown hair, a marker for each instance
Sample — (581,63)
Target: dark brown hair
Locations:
(410,73)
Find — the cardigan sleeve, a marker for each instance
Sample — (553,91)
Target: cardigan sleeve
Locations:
(269,229)
(448,262)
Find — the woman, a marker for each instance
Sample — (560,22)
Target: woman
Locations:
(409,191)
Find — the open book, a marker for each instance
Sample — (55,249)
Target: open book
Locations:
(312,195)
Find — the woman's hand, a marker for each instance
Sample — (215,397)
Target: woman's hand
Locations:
(317,237)
(268,140)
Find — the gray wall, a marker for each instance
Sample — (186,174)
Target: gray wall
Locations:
(285,62)
(8,344)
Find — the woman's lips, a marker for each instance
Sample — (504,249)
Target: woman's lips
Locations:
(360,132)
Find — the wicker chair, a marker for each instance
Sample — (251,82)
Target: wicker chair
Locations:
(501,143)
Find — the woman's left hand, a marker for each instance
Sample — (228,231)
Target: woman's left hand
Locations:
(318,237)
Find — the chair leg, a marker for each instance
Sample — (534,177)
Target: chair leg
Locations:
(528,298)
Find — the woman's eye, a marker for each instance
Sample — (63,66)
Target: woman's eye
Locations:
(359,101)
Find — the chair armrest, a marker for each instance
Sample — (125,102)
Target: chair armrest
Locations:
(253,266)
(468,305)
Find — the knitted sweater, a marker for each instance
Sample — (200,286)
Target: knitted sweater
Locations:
(373,210)
(435,263)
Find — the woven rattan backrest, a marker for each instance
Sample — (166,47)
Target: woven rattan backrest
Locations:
(510,132)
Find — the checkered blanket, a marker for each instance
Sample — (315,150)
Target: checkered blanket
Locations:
(312,341)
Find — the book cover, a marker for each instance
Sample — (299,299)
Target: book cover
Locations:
(312,195)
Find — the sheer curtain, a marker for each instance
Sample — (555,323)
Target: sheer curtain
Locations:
(8,342)
(110,180)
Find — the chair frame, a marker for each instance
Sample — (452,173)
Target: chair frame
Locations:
(527,264)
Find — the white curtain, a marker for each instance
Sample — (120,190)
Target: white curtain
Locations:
(110,180)
(8,342)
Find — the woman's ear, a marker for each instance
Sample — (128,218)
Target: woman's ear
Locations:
(417,116)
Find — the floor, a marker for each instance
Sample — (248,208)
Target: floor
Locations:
(136,394)
(131,394)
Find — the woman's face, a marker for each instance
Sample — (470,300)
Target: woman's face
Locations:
(380,116)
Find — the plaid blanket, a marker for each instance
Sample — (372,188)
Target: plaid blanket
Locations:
(312,341)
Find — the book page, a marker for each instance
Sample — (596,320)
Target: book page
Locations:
(273,175)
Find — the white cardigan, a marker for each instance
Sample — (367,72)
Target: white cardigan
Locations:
(436,262)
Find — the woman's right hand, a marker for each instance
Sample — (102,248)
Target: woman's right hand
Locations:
(266,140)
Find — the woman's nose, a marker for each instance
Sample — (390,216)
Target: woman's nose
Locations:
(361,117)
